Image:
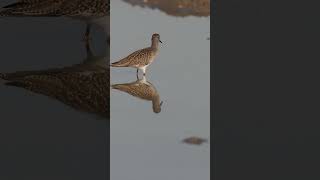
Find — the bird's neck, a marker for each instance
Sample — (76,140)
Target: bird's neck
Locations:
(155,44)
(156,104)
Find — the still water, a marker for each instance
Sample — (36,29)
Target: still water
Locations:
(145,144)
(45,134)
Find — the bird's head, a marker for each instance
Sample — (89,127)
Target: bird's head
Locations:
(156,37)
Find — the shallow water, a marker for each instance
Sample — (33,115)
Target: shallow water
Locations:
(144,144)
(41,137)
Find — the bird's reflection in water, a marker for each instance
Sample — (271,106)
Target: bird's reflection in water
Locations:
(142,89)
(85,86)
(179,8)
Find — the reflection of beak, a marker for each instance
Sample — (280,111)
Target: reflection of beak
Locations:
(160,41)
(161,103)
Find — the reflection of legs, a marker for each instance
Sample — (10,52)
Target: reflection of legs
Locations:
(89,51)
(137,73)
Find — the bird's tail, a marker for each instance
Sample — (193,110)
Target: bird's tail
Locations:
(118,64)
(117,86)
(28,8)
(8,10)
(16,84)
(5,13)
(7,80)
(17,4)
(9,13)
(122,87)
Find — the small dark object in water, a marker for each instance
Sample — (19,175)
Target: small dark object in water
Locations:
(194,140)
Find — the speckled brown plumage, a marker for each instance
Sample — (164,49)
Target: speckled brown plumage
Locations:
(90,8)
(142,89)
(92,12)
(138,58)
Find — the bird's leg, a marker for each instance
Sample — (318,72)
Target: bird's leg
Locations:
(89,50)
(144,71)
(86,37)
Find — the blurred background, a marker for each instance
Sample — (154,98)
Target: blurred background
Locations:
(43,134)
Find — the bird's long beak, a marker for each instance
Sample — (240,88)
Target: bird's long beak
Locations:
(160,41)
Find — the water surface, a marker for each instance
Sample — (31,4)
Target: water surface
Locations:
(144,144)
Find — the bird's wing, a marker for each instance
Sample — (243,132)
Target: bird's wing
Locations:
(137,57)
(33,8)
(85,8)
